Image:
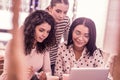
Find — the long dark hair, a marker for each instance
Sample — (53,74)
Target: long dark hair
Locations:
(91,45)
(36,18)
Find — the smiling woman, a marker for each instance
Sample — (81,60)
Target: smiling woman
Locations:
(80,50)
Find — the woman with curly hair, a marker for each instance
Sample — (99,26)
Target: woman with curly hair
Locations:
(39,35)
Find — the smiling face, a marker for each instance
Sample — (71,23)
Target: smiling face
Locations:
(42,32)
(59,11)
(80,36)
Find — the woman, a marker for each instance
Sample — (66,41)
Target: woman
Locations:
(58,9)
(80,49)
(39,35)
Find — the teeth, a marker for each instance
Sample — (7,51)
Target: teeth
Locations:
(78,41)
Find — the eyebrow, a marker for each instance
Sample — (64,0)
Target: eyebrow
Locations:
(80,31)
(59,10)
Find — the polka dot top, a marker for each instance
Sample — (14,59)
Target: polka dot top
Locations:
(66,60)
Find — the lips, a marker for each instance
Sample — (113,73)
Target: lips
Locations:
(41,39)
(79,42)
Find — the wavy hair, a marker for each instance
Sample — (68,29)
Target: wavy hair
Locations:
(37,18)
(91,45)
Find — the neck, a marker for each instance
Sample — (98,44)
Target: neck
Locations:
(78,52)
(78,49)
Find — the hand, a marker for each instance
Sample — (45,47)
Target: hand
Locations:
(42,76)
(30,71)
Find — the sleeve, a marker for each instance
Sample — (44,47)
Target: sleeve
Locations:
(99,60)
(66,31)
(4,75)
(46,62)
(59,62)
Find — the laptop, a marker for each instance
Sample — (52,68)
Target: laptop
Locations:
(89,74)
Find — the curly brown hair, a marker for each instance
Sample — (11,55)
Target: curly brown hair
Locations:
(36,18)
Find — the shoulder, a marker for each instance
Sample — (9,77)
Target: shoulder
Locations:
(62,49)
(98,52)
(46,53)
(63,45)
(67,19)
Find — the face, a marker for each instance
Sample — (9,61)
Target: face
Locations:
(42,32)
(80,36)
(59,11)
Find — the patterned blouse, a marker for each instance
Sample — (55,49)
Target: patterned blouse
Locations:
(66,60)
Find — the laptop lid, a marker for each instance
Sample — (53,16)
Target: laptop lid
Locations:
(89,74)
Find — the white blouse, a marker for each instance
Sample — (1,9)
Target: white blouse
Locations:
(66,60)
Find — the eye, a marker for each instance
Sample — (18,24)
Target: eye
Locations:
(41,30)
(86,35)
(58,11)
(77,32)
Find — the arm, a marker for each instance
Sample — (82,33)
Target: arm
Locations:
(46,62)
(59,63)
(66,31)
(45,68)
(99,58)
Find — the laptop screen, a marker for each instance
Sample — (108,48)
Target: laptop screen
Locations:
(89,74)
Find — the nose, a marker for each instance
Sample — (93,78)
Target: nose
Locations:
(80,37)
(62,15)
(45,34)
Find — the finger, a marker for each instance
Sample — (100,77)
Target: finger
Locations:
(42,76)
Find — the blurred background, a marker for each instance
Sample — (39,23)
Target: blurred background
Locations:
(97,10)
